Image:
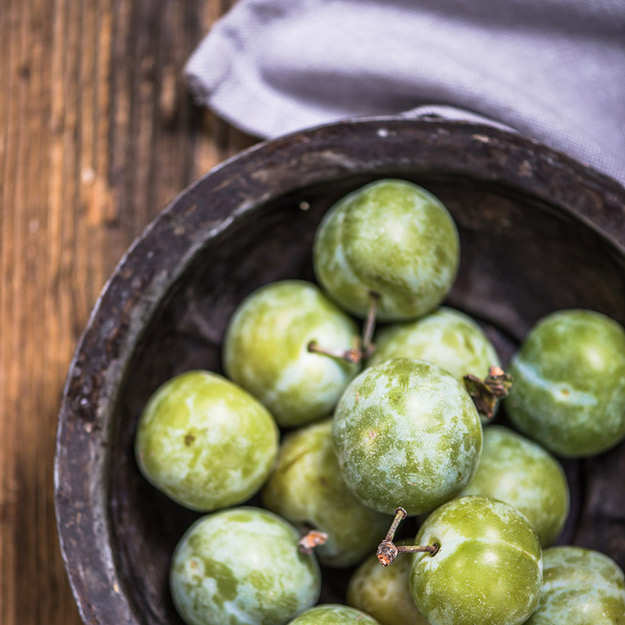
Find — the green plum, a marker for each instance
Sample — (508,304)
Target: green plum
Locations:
(580,587)
(446,337)
(333,614)
(384,592)
(205,442)
(307,488)
(393,238)
(407,434)
(569,383)
(266,350)
(527,477)
(242,567)
(488,568)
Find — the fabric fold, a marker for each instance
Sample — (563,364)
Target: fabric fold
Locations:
(551,69)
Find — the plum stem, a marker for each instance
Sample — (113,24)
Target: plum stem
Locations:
(365,343)
(388,550)
(485,393)
(400,515)
(353,355)
(310,540)
(367,347)
(431,549)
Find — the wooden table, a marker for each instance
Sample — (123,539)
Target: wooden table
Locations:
(97,134)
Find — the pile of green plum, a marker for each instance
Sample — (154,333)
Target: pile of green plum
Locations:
(384,425)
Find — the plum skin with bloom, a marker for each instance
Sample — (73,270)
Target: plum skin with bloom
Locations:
(391,237)
(488,568)
(205,442)
(242,567)
(523,474)
(333,614)
(266,350)
(407,434)
(580,586)
(446,337)
(569,383)
(307,487)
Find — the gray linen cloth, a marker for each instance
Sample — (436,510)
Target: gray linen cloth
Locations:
(551,69)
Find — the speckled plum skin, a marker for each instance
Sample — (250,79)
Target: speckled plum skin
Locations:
(523,474)
(205,442)
(384,592)
(407,434)
(333,614)
(307,488)
(488,570)
(446,337)
(569,383)
(266,350)
(580,587)
(392,237)
(242,567)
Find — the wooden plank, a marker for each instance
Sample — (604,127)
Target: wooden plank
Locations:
(97,134)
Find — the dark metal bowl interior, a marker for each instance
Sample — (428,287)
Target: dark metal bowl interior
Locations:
(539,232)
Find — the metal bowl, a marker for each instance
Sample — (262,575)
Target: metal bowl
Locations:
(539,232)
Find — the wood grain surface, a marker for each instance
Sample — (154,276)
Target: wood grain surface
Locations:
(97,134)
